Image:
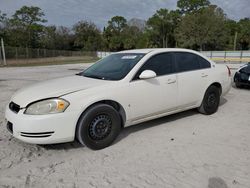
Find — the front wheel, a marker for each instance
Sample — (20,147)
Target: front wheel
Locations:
(238,85)
(98,127)
(210,101)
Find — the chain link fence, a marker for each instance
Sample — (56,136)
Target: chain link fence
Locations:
(228,56)
(19,55)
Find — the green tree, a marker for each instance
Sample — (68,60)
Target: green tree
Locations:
(188,6)
(4,21)
(114,33)
(26,24)
(48,37)
(244,33)
(130,37)
(203,29)
(87,36)
(232,30)
(161,26)
(64,39)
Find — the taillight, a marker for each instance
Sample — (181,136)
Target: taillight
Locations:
(229,71)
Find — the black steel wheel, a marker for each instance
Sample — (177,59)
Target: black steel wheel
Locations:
(98,127)
(210,101)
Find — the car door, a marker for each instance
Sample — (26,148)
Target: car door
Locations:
(155,96)
(192,76)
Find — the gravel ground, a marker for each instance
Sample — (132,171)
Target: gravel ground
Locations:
(187,149)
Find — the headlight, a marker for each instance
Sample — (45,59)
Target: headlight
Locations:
(49,106)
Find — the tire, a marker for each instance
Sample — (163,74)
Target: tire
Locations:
(238,85)
(210,101)
(98,127)
(236,81)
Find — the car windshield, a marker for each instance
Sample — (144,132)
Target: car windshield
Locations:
(113,67)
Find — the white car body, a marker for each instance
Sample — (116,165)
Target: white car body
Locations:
(140,100)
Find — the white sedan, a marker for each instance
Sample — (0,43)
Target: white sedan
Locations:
(123,89)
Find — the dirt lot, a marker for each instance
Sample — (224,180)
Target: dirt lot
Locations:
(187,150)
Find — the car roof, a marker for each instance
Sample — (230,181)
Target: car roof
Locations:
(148,50)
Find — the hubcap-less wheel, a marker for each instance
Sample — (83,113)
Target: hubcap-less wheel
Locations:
(100,127)
(210,101)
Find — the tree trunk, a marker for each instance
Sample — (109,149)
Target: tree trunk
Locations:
(201,46)
(166,42)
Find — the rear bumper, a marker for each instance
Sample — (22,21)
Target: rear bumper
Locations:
(226,86)
(42,129)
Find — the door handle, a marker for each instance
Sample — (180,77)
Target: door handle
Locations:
(171,81)
(203,75)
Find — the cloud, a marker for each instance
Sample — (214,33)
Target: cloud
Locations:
(235,9)
(65,12)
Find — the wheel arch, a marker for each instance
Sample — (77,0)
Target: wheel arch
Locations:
(218,85)
(117,106)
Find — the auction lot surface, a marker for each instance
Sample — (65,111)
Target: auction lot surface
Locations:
(187,150)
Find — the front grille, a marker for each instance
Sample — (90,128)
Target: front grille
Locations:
(10,127)
(36,135)
(14,107)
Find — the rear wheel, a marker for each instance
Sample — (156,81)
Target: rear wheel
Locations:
(210,101)
(98,127)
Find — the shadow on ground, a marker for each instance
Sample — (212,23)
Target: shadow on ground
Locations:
(216,182)
(150,124)
(63,146)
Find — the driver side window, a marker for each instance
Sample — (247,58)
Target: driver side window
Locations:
(161,64)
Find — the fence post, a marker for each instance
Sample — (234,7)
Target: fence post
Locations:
(54,56)
(241,54)
(27,54)
(16,54)
(38,55)
(3,52)
(211,54)
(1,55)
(225,56)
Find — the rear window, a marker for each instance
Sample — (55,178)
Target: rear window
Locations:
(186,61)
(204,64)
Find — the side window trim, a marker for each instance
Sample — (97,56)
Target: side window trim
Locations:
(172,59)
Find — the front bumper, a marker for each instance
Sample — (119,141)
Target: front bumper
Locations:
(42,129)
(243,82)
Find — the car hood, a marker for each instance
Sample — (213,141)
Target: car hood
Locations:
(54,88)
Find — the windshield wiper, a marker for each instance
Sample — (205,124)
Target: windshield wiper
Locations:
(94,76)
(79,73)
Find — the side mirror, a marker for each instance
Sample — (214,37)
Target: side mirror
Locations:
(147,74)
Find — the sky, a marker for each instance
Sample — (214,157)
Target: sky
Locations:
(69,12)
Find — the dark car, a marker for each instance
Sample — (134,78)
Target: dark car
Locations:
(242,76)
